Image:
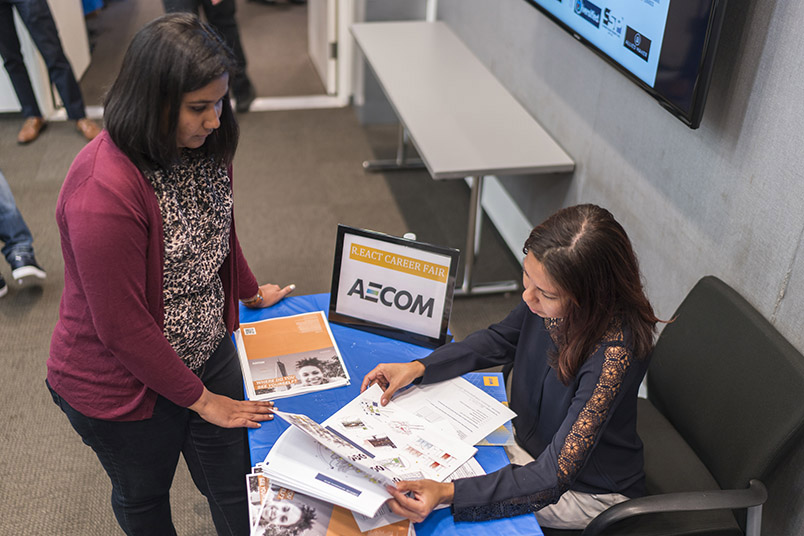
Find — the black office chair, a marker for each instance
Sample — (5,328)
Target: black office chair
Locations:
(725,405)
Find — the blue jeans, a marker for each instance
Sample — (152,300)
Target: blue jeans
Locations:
(39,21)
(14,234)
(140,457)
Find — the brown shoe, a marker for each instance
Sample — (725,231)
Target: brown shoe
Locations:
(31,129)
(88,128)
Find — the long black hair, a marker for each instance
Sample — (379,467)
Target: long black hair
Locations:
(170,56)
(588,255)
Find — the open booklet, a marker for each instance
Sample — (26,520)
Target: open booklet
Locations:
(330,520)
(288,356)
(348,459)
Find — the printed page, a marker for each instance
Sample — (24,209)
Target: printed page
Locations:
(388,442)
(337,443)
(493,384)
(383,518)
(291,355)
(386,517)
(397,441)
(299,462)
(472,413)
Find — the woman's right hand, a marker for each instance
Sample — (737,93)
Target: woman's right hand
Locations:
(392,377)
(230,413)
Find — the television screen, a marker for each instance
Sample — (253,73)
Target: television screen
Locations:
(667,47)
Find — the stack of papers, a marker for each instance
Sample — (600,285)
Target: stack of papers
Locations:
(359,450)
(425,432)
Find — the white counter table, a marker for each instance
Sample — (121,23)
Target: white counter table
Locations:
(461,120)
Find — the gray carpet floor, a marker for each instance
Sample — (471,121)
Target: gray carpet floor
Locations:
(297,175)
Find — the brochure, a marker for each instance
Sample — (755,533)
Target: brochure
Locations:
(288,356)
(364,446)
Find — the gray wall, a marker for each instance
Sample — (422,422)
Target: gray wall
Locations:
(726,199)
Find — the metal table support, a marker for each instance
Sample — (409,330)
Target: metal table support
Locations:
(473,230)
(401,162)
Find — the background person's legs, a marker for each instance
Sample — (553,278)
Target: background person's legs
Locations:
(14,233)
(17,240)
(18,73)
(38,19)
(14,63)
(222,18)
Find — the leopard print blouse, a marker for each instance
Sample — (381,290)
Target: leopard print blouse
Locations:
(195,199)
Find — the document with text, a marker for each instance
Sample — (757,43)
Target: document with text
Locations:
(472,413)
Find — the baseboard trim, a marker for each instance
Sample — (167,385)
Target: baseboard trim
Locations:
(260,104)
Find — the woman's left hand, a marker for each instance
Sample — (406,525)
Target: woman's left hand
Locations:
(271,295)
(426,495)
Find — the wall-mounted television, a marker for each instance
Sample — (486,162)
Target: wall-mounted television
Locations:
(666,46)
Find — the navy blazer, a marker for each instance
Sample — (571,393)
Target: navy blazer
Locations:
(583,435)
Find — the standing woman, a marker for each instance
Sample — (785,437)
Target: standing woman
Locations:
(578,344)
(141,359)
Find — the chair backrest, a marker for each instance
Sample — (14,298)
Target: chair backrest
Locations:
(730,384)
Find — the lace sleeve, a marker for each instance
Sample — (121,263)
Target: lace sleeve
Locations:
(516,490)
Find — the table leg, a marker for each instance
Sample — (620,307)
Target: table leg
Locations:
(473,245)
(401,162)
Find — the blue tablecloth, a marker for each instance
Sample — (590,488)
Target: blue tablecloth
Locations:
(361,352)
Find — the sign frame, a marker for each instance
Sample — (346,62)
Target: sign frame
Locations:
(367,323)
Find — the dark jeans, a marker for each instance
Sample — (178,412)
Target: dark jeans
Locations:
(140,457)
(222,18)
(39,21)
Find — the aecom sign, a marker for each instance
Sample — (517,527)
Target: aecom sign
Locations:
(390,282)
(391,297)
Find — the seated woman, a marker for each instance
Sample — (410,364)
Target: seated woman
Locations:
(578,345)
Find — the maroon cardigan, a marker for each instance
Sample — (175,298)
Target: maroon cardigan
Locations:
(109,357)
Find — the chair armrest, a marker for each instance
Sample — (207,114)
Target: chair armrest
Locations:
(754,495)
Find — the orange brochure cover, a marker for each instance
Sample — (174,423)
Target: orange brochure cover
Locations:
(290,355)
